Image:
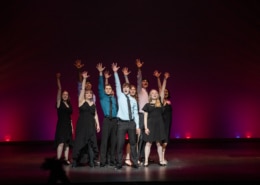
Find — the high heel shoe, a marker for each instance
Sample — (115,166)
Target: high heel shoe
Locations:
(66,162)
(161,163)
(128,162)
(146,164)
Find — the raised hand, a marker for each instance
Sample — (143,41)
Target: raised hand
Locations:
(78,64)
(166,75)
(100,67)
(139,64)
(156,74)
(125,71)
(115,67)
(85,74)
(106,74)
(58,75)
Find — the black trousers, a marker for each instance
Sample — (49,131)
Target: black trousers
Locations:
(95,148)
(108,140)
(123,128)
(141,142)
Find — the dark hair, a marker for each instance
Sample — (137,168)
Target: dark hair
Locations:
(145,79)
(169,94)
(68,100)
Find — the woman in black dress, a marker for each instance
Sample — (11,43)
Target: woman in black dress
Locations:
(87,126)
(167,117)
(167,114)
(154,123)
(64,128)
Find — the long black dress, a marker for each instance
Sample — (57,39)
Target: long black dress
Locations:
(85,133)
(63,133)
(155,123)
(167,117)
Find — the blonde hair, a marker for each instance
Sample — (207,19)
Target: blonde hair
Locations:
(157,101)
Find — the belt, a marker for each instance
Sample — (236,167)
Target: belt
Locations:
(125,120)
(110,117)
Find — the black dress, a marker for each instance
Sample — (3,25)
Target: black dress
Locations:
(155,123)
(85,132)
(167,117)
(63,133)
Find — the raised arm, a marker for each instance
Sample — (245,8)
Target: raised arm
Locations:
(59,89)
(101,90)
(107,76)
(166,76)
(139,65)
(79,66)
(82,92)
(126,73)
(157,75)
(117,80)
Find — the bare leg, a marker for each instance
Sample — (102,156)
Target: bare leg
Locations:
(163,153)
(159,151)
(147,151)
(59,150)
(66,153)
(127,157)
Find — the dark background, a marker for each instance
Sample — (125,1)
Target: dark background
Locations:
(210,48)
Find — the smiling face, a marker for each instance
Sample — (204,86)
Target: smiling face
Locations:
(145,83)
(153,95)
(126,88)
(88,94)
(65,95)
(132,91)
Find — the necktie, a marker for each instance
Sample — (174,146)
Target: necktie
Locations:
(129,107)
(110,107)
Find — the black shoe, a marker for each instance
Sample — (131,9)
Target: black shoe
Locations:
(111,164)
(142,160)
(66,162)
(96,163)
(74,164)
(102,165)
(150,160)
(118,167)
(161,164)
(91,164)
(135,166)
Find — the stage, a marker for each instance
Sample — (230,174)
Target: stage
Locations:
(189,161)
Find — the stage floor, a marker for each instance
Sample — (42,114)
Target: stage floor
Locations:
(204,161)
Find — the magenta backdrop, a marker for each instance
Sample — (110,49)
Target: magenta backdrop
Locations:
(210,48)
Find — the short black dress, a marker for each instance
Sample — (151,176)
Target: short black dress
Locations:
(63,133)
(155,123)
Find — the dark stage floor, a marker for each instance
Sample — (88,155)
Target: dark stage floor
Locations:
(189,161)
